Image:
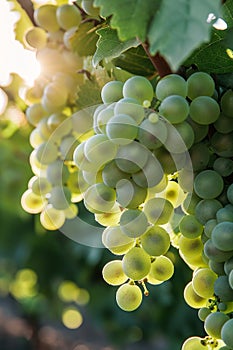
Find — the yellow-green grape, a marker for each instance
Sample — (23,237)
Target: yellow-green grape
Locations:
(227,334)
(139,88)
(45,17)
(32,203)
(157,188)
(203,312)
(129,195)
(131,107)
(103,117)
(87,6)
(192,298)
(112,91)
(190,202)
(200,84)
(174,193)
(54,97)
(129,297)
(214,322)
(132,157)
(121,129)
(162,268)
(116,241)
(71,211)
(99,150)
(44,129)
(204,110)
(47,153)
(37,168)
(136,263)
(60,197)
(51,218)
(39,185)
(171,84)
(190,247)
(158,210)
(60,124)
(35,138)
(155,241)
(190,227)
(113,273)
(99,198)
(193,343)
(110,218)
(174,108)
(35,113)
(203,282)
(68,16)
(36,37)
(133,222)
(67,146)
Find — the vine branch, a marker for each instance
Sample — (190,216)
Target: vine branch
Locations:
(158,62)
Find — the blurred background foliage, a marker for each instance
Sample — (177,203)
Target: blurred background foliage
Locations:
(52,295)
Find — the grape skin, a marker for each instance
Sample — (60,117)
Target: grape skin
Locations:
(129,297)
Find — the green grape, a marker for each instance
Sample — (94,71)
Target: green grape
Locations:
(136,263)
(214,323)
(223,124)
(190,227)
(230,279)
(113,273)
(171,84)
(155,241)
(162,269)
(57,173)
(222,144)
(82,122)
(174,193)
(44,129)
(204,110)
(98,149)
(60,124)
(223,166)
(40,185)
(47,153)
(222,289)
(200,131)
(121,129)
(35,138)
(32,203)
(71,211)
(228,266)
(203,312)
(185,179)
(222,236)
(158,210)
(36,38)
(133,222)
(92,177)
(171,162)
(132,157)
(54,97)
(116,241)
(103,117)
(190,202)
(227,103)
(112,91)
(203,282)
(129,297)
(110,218)
(68,16)
(230,193)
(174,108)
(158,188)
(209,226)
(99,198)
(200,84)
(51,218)
(190,247)
(192,298)
(131,107)
(206,209)
(111,174)
(67,146)
(227,334)
(193,343)
(37,168)
(180,138)
(217,267)
(45,17)
(200,156)
(81,161)
(152,135)
(208,184)
(129,195)
(215,254)
(151,174)
(60,197)
(139,88)
(87,6)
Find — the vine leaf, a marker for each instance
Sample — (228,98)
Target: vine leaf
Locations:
(130,17)
(179,27)
(89,94)
(109,46)
(83,41)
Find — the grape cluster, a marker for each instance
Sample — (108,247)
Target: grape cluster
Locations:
(54,188)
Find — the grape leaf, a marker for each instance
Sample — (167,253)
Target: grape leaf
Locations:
(109,46)
(83,42)
(89,94)
(130,17)
(179,27)
(22,24)
(135,61)
(227,12)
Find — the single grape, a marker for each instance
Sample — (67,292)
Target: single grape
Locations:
(103,117)
(180,137)
(121,129)
(51,218)
(200,84)
(129,195)
(132,157)
(162,269)
(113,273)
(204,110)
(158,210)
(155,241)
(193,343)
(174,108)
(32,203)
(116,241)
(112,91)
(209,226)
(214,323)
(208,184)
(222,236)
(68,16)
(99,150)
(139,88)
(136,263)
(203,282)
(36,38)
(133,222)
(203,312)
(223,124)
(192,298)
(206,209)
(47,153)
(87,6)
(223,166)
(171,84)
(99,198)
(129,297)
(215,254)
(222,289)
(111,174)
(227,103)
(131,107)
(45,17)
(227,334)
(190,227)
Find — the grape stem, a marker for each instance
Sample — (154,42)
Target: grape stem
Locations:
(158,61)
(28,8)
